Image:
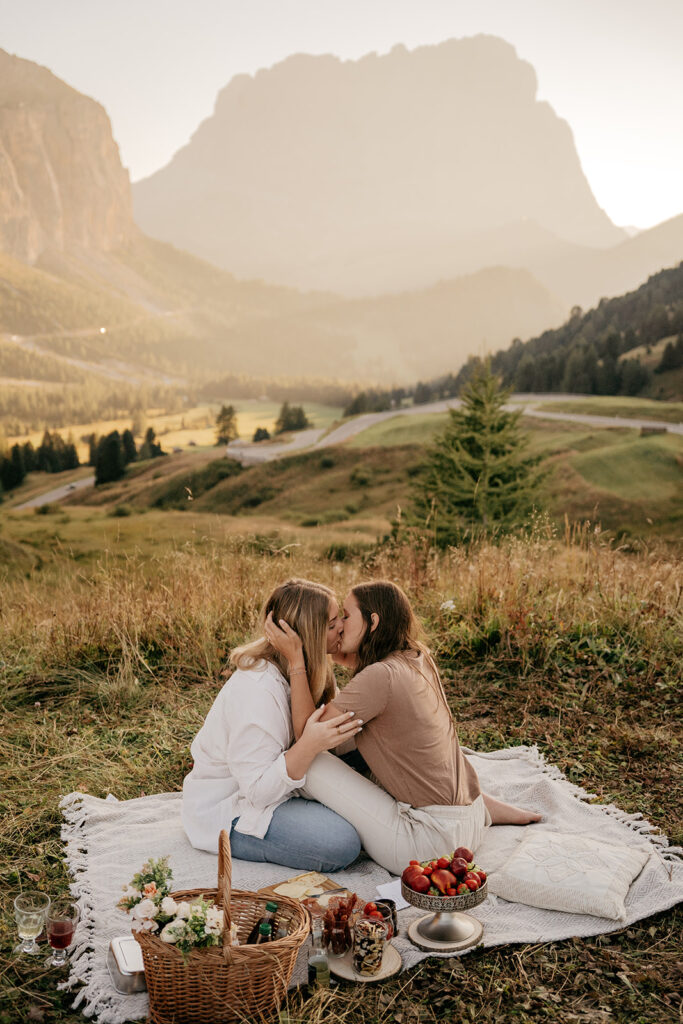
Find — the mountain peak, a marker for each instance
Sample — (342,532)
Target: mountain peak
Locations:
(351,174)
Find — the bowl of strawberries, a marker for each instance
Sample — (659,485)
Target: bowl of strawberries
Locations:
(447,886)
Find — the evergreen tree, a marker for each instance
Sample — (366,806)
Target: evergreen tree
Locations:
(423,393)
(92,448)
(130,452)
(12,468)
(634,376)
(672,356)
(70,458)
(226,425)
(261,434)
(292,417)
(30,459)
(150,448)
(109,464)
(477,477)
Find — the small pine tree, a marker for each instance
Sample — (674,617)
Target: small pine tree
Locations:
(130,452)
(30,459)
(672,356)
(292,417)
(109,464)
(261,434)
(226,425)
(150,447)
(93,441)
(477,477)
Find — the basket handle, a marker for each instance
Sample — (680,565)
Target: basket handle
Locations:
(225,880)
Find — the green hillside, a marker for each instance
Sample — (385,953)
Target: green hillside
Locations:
(632,485)
(600,352)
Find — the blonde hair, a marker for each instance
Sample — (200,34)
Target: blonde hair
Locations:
(305,606)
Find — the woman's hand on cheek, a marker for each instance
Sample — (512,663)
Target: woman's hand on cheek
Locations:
(285,640)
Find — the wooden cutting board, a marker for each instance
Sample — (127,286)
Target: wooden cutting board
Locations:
(319,883)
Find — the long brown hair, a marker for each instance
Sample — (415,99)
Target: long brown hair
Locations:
(398,628)
(305,606)
(398,631)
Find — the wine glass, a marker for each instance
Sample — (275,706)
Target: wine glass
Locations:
(62,918)
(30,909)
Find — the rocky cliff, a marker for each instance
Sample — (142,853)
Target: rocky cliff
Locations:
(374,174)
(62,185)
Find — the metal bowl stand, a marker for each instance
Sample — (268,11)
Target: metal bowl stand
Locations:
(448,929)
(445,932)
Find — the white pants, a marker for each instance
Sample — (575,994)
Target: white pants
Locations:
(393,833)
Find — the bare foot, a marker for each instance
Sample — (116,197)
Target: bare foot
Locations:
(506,814)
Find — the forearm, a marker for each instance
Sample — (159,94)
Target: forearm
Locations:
(302,702)
(299,758)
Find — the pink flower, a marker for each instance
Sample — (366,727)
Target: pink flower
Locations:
(150,889)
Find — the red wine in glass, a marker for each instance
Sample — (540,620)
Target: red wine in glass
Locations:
(62,919)
(60,933)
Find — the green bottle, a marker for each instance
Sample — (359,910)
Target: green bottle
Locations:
(265,933)
(268,918)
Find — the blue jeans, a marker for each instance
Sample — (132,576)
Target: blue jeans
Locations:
(302,834)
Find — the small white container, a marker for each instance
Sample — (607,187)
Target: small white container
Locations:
(124,960)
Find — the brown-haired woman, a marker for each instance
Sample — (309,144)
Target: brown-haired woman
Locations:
(428,800)
(247,768)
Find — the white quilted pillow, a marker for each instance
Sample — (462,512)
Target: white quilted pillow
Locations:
(564,871)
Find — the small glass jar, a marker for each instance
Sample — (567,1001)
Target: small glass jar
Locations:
(387,909)
(337,938)
(369,938)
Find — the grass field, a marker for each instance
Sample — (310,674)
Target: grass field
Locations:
(630,408)
(114,632)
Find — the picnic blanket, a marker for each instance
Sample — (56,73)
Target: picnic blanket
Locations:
(108,840)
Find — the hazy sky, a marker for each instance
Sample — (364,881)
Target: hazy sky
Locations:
(612,68)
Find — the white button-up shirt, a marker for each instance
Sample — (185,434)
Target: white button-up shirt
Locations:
(239,758)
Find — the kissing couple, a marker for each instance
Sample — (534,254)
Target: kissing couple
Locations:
(304,774)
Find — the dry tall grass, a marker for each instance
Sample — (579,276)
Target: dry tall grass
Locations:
(172,617)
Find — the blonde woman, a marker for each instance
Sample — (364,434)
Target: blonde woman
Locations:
(248,765)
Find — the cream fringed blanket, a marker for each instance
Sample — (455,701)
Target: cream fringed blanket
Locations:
(107,841)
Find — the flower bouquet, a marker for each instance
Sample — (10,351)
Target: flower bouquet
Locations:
(188,925)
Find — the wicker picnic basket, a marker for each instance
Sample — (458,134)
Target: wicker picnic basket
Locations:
(224,983)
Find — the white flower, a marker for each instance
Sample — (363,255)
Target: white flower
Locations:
(144,926)
(145,909)
(448,606)
(183,910)
(172,931)
(214,921)
(131,893)
(168,906)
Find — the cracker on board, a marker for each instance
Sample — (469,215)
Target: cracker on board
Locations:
(299,887)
